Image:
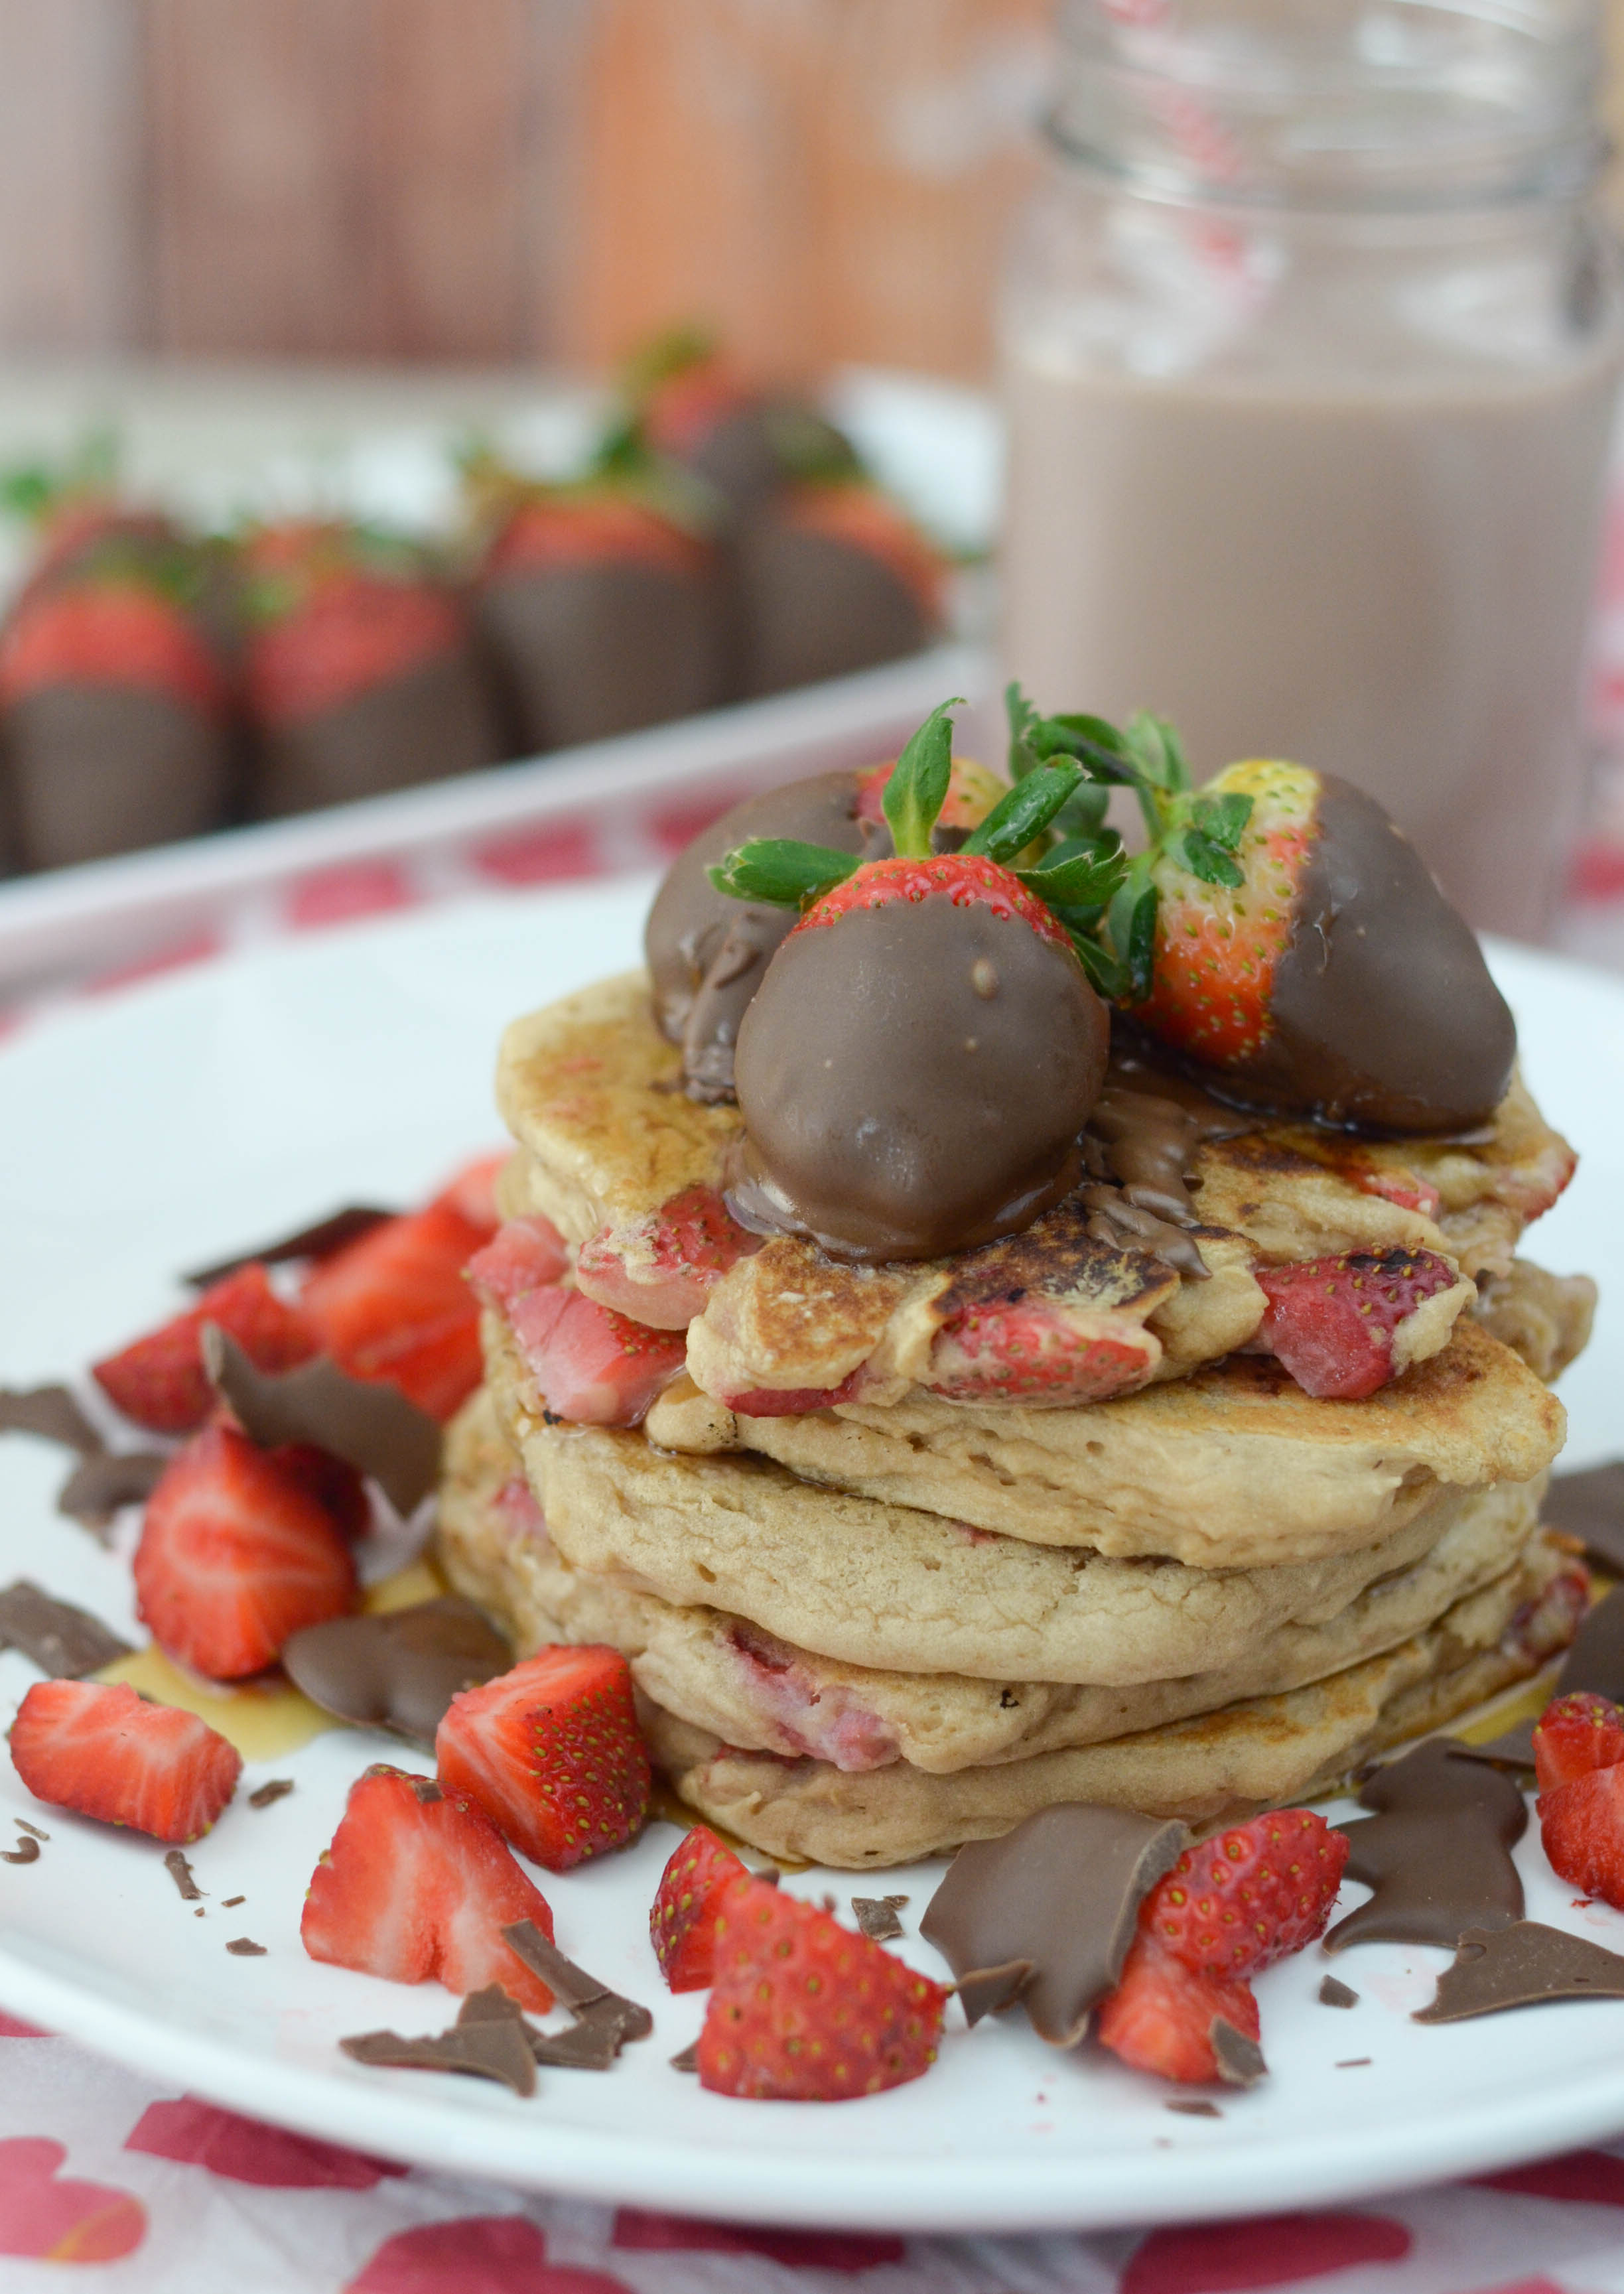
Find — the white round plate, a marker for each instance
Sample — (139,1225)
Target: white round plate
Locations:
(169,1125)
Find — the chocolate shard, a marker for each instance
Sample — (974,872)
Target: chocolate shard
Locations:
(1046,1914)
(400,1671)
(1590,1505)
(372,1426)
(107,1479)
(320,1240)
(605,2021)
(1594,1664)
(22,1824)
(1334,1993)
(1353,2063)
(27,1851)
(1437,1851)
(876,1916)
(1195,2109)
(50,1411)
(180,1872)
(276,1788)
(1522,1965)
(688,2059)
(62,1640)
(1239,2060)
(245,1947)
(1512,1748)
(489,2039)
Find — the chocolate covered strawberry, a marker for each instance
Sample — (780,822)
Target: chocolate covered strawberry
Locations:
(685,402)
(359,666)
(600,604)
(1282,933)
(925,1046)
(831,576)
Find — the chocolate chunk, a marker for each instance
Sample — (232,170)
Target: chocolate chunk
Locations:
(891,1111)
(1239,2060)
(1195,2109)
(1046,1914)
(604,2022)
(62,1640)
(22,1824)
(877,1918)
(245,1947)
(688,2059)
(27,1851)
(180,1872)
(371,1426)
(1522,1965)
(278,1788)
(489,2039)
(50,1411)
(1353,2063)
(399,1671)
(1437,1852)
(1590,1505)
(1385,1016)
(229,1903)
(1334,1993)
(100,1484)
(320,1240)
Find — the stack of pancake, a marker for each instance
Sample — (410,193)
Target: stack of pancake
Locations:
(874,1610)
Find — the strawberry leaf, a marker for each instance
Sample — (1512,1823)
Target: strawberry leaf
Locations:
(1192,848)
(1086,880)
(1158,752)
(917,789)
(781,871)
(1026,811)
(1105,974)
(1131,921)
(1023,718)
(1083,814)
(1222,819)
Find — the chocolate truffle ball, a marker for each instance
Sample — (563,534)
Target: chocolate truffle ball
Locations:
(913,1079)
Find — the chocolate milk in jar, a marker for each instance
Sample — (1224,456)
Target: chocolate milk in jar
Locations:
(1310,349)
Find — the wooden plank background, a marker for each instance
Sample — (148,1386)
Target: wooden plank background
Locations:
(513,181)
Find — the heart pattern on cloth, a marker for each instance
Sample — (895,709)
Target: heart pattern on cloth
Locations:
(637,2232)
(1232,2257)
(477,2254)
(1593,2178)
(56,2219)
(12,2026)
(245,2150)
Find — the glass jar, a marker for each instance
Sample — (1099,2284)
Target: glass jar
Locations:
(1310,345)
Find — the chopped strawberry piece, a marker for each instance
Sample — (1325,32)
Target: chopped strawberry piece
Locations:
(525,1254)
(392,1306)
(551,1753)
(107,1752)
(660,1269)
(160,1380)
(1331,1320)
(1400,1187)
(1034,1350)
(471,1192)
(1163,2018)
(418,1884)
(1231,1906)
(591,1365)
(804,2011)
(1582,1824)
(792,1401)
(236,1553)
(682,1917)
(1575,1735)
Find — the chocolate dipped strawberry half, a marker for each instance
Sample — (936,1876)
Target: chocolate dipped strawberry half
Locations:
(925,1046)
(1282,936)
(359,665)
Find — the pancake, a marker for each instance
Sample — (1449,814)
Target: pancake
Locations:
(593,1095)
(751,1688)
(882,1585)
(1218,1768)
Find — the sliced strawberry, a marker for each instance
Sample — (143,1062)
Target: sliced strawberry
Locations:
(107,1752)
(1400,1187)
(393,1305)
(802,2010)
(237,1553)
(551,1753)
(1231,1906)
(1033,1349)
(525,1254)
(471,1192)
(1581,1825)
(418,1884)
(1332,1321)
(336,1486)
(589,1364)
(792,1401)
(160,1380)
(1575,1735)
(660,1269)
(682,1917)
(1163,2018)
